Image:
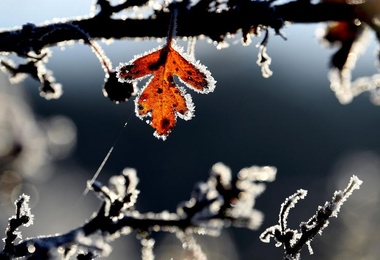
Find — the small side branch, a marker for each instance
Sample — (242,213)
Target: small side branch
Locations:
(294,240)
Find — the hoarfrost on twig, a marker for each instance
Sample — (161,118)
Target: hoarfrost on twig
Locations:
(294,240)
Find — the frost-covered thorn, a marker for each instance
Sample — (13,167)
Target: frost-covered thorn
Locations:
(131,179)
(23,210)
(289,203)
(23,217)
(341,196)
(222,173)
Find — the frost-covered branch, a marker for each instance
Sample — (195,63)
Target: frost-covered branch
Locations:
(214,205)
(294,240)
(210,18)
(36,69)
(192,21)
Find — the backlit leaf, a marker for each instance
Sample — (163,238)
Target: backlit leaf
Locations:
(161,99)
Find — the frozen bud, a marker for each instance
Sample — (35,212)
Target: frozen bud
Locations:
(118,91)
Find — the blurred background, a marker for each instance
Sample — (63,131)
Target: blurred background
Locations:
(291,120)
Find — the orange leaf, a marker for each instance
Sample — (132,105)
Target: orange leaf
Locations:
(161,99)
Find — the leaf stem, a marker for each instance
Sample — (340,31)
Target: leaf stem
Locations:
(172,25)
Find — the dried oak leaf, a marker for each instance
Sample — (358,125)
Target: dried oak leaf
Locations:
(161,99)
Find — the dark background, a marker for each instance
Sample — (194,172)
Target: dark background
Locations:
(291,121)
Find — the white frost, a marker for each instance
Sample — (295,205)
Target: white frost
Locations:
(202,68)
